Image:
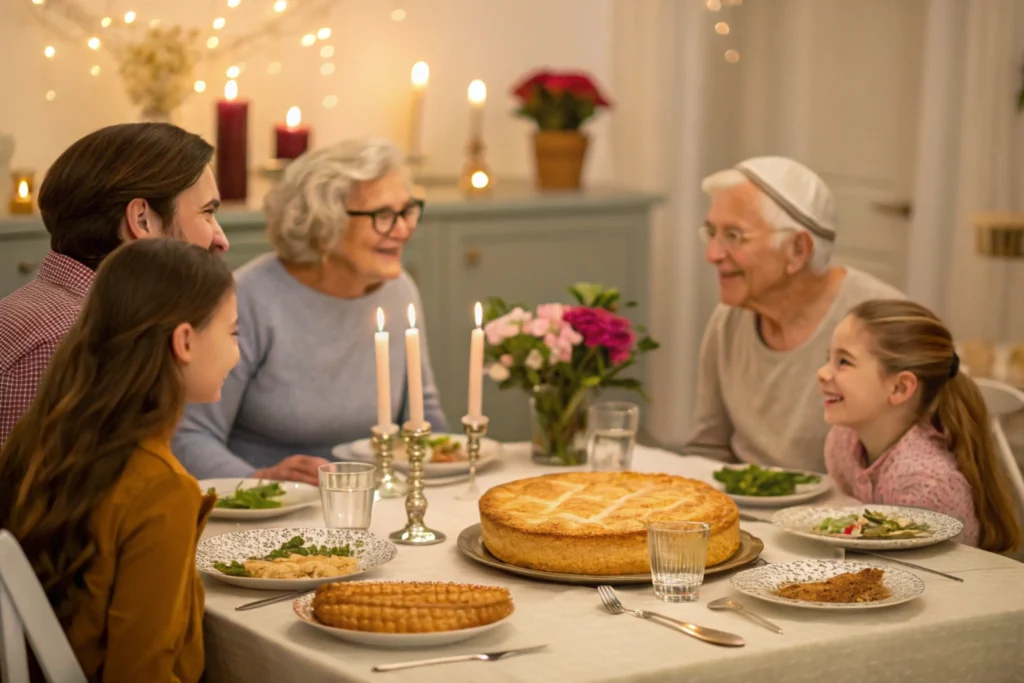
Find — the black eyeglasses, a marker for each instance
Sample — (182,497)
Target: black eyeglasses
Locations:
(385,220)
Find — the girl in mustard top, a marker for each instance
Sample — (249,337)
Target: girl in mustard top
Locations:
(88,484)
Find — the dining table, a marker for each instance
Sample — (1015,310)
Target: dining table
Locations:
(954,631)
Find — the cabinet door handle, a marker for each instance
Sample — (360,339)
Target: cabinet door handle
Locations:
(26,267)
(473,257)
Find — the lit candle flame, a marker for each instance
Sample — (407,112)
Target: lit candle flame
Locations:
(294,117)
(420,75)
(477,92)
(412,316)
(479,180)
(230,90)
(23,189)
(478,311)
(380,319)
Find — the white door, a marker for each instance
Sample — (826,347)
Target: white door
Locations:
(836,84)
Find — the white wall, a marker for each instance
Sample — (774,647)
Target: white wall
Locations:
(460,40)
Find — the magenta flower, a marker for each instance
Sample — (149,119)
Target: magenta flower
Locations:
(603,328)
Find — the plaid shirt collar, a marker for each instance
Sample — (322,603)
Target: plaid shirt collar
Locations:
(67,273)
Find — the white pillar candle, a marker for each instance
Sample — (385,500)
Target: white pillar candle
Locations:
(380,341)
(420,78)
(414,370)
(476,365)
(477,96)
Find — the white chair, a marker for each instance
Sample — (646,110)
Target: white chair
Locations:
(1002,400)
(25,612)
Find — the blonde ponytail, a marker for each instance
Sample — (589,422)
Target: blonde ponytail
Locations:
(960,414)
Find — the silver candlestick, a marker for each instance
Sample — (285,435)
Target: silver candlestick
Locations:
(475,427)
(388,485)
(415,531)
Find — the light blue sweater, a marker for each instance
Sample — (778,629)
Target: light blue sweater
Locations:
(306,381)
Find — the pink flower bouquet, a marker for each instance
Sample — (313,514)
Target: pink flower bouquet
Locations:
(562,354)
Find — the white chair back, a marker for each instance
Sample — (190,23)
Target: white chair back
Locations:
(25,612)
(1001,400)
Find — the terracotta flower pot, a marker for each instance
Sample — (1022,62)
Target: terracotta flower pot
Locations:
(559,156)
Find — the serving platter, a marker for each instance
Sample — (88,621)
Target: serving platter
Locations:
(470,543)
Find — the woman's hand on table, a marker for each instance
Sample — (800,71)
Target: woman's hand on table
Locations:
(303,468)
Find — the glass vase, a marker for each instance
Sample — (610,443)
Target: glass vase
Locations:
(559,419)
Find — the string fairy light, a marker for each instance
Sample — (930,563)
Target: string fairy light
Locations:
(72,21)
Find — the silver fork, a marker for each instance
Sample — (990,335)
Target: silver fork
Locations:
(483,656)
(709,635)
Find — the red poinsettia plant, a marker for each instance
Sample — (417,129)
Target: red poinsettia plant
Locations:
(558,100)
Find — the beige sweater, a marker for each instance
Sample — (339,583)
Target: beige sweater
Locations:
(763,406)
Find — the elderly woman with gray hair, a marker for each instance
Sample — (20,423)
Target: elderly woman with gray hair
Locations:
(306,379)
(769,234)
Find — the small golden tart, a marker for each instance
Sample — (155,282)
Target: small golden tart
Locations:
(595,523)
(409,606)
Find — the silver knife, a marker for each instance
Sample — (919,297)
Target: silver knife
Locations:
(482,656)
(907,564)
(270,601)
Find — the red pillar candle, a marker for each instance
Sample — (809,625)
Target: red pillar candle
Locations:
(292,136)
(232,144)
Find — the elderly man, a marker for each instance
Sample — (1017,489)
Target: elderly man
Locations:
(769,235)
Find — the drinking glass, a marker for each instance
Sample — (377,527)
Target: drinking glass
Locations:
(611,434)
(678,554)
(346,493)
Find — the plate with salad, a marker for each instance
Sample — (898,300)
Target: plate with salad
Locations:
(446,454)
(252,499)
(756,486)
(291,559)
(873,527)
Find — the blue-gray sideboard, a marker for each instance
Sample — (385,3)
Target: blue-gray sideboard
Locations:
(523,246)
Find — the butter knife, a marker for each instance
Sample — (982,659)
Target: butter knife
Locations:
(482,656)
(907,564)
(270,601)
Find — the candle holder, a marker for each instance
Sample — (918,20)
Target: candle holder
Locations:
(22,191)
(475,179)
(475,428)
(388,486)
(415,531)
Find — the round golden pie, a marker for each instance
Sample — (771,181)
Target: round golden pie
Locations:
(409,606)
(595,523)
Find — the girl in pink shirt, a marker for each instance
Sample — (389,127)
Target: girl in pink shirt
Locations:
(908,427)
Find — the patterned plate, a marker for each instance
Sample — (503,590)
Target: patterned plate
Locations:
(471,544)
(804,492)
(303,608)
(371,551)
(803,520)
(362,450)
(296,497)
(761,581)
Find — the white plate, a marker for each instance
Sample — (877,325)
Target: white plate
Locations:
(303,608)
(761,581)
(804,492)
(803,520)
(363,451)
(296,497)
(242,545)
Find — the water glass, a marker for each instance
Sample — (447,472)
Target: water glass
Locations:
(611,435)
(678,554)
(346,494)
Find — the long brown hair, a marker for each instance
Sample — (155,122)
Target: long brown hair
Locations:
(908,337)
(112,382)
(86,191)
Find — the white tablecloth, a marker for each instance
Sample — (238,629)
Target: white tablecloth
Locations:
(962,632)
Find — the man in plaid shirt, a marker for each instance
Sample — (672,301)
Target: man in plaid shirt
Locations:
(120,183)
